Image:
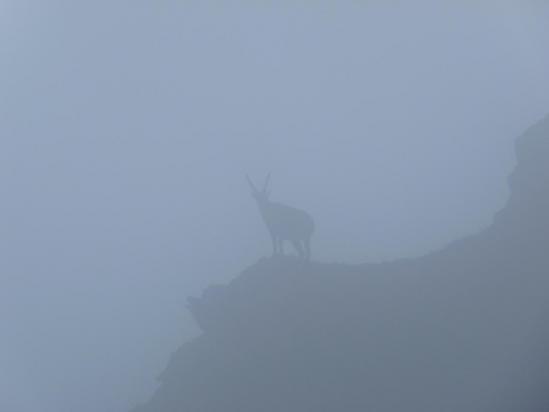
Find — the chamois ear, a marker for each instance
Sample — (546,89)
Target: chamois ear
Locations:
(266,186)
(252,186)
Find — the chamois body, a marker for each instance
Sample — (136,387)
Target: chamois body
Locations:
(285,223)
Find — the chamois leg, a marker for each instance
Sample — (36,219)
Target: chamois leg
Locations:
(281,247)
(299,248)
(275,244)
(307,243)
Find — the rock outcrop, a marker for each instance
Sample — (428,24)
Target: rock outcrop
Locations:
(463,329)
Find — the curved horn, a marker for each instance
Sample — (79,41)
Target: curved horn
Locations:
(252,186)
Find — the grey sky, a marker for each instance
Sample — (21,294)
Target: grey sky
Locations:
(126,129)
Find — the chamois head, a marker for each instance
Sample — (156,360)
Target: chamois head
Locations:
(261,196)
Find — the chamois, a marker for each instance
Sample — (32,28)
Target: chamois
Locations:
(284,222)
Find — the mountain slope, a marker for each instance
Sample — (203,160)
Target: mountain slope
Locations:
(463,329)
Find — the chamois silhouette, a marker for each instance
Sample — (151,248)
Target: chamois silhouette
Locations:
(284,222)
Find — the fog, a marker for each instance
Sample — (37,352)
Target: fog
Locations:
(127,129)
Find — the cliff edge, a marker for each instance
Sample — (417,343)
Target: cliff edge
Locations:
(463,329)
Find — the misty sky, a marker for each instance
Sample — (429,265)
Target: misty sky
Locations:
(126,130)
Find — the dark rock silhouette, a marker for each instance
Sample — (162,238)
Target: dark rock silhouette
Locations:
(464,329)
